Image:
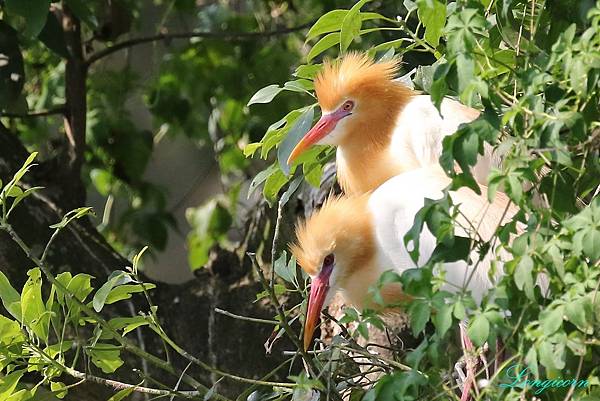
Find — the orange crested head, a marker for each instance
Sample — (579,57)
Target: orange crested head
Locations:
(342,228)
(357,76)
(333,244)
(360,102)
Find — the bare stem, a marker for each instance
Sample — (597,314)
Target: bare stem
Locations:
(248,319)
(225,36)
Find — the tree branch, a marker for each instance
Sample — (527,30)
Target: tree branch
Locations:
(225,36)
(76,95)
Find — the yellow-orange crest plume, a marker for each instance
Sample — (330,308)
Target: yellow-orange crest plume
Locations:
(356,75)
(330,231)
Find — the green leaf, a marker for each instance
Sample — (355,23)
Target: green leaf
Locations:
(33,309)
(591,243)
(332,21)
(8,383)
(465,71)
(10,331)
(19,198)
(458,250)
(33,11)
(125,291)
(295,134)
(251,148)
(329,22)
(551,320)
(79,286)
(307,71)
(265,95)
(459,310)
(552,353)
(419,312)
(523,275)
(299,85)
(106,357)
(128,324)
(579,312)
(281,268)
(10,297)
(294,185)
(116,278)
(59,389)
(326,42)
(351,25)
(273,184)
(432,13)
(443,319)
(73,215)
(479,330)
(121,395)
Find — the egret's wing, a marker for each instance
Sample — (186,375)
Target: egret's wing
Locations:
(421,128)
(395,204)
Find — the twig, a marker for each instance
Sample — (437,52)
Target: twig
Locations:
(225,36)
(248,319)
(275,242)
(216,371)
(116,385)
(121,386)
(48,244)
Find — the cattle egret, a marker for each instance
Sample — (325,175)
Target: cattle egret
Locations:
(381,127)
(351,241)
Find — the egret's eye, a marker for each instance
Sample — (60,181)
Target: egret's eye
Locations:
(329,259)
(348,105)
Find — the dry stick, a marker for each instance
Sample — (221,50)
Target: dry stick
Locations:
(225,36)
(125,343)
(121,386)
(205,366)
(275,242)
(116,385)
(248,319)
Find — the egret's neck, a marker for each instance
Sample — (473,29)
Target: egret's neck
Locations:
(364,156)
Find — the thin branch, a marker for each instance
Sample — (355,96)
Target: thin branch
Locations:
(225,36)
(248,319)
(121,386)
(60,110)
(275,242)
(116,385)
(216,371)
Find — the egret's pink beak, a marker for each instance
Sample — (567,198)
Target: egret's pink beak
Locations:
(318,292)
(323,127)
